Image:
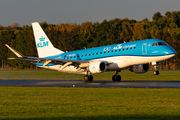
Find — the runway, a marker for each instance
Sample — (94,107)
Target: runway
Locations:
(81,83)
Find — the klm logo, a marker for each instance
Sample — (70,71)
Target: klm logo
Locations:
(42,38)
(93,67)
(42,42)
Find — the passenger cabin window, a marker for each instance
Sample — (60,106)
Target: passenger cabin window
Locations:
(89,54)
(126,48)
(111,50)
(100,52)
(81,55)
(104,52)
(115,50)
(96,53)
(130,48)
(119,49)
(85,54)
(93,54)
(134,47)
(123,49)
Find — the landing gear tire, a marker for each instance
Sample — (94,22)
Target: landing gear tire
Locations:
(116,78)
(156,72)
(88,78)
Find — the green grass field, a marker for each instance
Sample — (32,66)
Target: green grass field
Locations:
(89,103)
(55,75)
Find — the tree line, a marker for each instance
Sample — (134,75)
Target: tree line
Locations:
(68,37)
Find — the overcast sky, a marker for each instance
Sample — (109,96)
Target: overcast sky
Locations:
(25,12)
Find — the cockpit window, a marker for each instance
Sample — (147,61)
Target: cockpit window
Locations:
(154,44)
(161,43)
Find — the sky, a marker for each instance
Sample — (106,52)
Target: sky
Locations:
(24,12)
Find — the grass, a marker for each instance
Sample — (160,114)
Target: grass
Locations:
(55,75)
(89,103)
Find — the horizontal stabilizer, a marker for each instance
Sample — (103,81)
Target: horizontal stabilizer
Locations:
(14,51)
(22,59)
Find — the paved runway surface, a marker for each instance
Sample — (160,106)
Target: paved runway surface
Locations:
(81,83)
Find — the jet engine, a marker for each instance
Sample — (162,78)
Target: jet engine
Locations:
(97,67)
(143,68)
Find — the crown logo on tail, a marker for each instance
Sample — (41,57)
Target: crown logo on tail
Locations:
(42,38)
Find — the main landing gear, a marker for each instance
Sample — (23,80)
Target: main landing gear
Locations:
(88,78)
(116,77)
(156,72)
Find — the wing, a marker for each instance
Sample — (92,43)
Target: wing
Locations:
(46,61)
(80,64)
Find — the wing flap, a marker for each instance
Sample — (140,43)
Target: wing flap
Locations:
(66,64)
(83,65)
(47,62)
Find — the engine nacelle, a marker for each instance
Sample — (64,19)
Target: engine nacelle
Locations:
(140,68)
(97,67)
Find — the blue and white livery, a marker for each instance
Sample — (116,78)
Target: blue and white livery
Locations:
(134,56)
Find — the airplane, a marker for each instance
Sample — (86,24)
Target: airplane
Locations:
(135,56)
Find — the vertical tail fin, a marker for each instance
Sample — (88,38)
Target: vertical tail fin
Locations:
(43,44)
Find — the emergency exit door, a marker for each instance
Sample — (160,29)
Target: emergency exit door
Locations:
(144,48)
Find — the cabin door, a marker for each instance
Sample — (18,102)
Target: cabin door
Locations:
(144,48)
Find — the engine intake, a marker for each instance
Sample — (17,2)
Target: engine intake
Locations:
(97,67)
(143,68)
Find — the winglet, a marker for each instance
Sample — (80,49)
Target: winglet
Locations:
(14,51)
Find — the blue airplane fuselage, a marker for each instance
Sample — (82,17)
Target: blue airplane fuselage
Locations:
(142,48)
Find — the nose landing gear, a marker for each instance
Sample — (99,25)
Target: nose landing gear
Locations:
(156,72)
